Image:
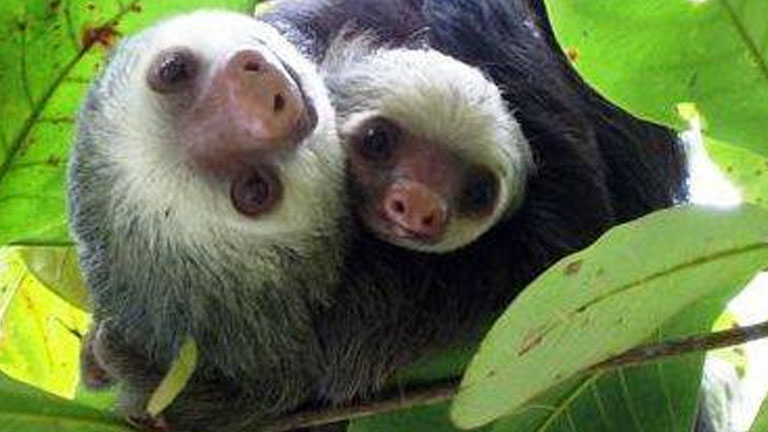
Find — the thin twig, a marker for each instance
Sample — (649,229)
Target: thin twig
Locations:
(431,395)
(705,342)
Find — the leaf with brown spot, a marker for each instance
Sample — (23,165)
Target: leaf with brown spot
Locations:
(531,339)
(573,267)
(655,268)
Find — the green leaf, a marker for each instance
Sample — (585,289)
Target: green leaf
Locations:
(660,396)
(649,56)
(606,299)
(24,408)
(39,331)
(101,399)
(176,379)
(761,422)
(49,52)
(57,268)
(748,170)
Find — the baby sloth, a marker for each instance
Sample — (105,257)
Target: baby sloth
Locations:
(436,157)
(205,198)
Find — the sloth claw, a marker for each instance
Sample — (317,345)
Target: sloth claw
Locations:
(148,423)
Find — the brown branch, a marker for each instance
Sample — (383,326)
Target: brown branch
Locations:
(445,390)
(431,395)
(705,342)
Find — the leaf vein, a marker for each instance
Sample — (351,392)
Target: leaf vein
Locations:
(754,52)
(626,394)
(567,402)
(38,108)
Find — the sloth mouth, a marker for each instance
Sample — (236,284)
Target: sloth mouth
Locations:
(389,230)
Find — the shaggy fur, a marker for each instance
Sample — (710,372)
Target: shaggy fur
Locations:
(307,318)
(167,256)
(596,166)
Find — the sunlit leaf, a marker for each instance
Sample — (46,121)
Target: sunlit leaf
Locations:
(39,331)
(649,56)
(747,170)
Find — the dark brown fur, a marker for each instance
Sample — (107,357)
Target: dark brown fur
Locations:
(597,166)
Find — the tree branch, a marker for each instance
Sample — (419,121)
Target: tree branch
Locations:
(445,390)
(431,395)
(705,342)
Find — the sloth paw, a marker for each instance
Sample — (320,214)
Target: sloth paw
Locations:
(95,377)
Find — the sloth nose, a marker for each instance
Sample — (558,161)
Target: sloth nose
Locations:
(415,211)
(265,99)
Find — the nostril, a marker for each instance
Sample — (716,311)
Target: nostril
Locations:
(252,66)
(279,102)
(398,207)
(428,221)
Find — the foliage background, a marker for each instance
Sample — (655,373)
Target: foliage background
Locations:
(677,62)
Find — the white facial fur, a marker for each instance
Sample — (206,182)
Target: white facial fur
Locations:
(156,179)
(440,100)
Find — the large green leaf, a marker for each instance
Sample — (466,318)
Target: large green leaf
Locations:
(606,299)
(654,397)
(39,331)
(651,55)
(23,408)
(49,52)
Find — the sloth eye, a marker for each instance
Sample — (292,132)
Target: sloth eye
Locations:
(173,70)
(480,193)
(378,140)
(255,192)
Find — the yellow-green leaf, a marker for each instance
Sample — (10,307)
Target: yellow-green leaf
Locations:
(39,331)
(176,379)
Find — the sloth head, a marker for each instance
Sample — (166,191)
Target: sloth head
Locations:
(208,140)
(435,156)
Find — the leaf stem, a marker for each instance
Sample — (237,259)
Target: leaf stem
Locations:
(696,343)
(747,39)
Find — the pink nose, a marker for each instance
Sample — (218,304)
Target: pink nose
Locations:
(265,97)
(415,211)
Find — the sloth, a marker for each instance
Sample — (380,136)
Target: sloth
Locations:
(327,194)
(206,200)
